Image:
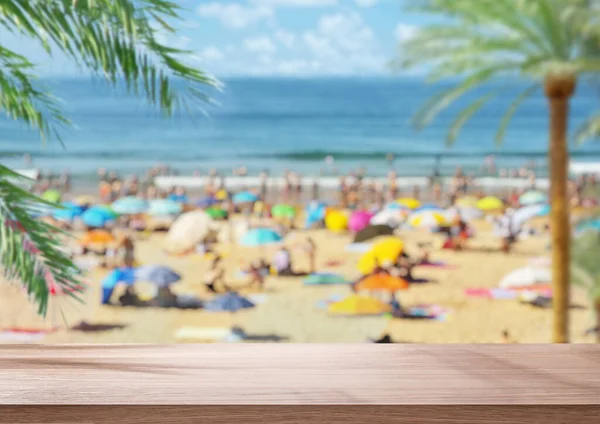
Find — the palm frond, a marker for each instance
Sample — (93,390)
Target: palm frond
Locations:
(465,115)
(590,129)
(30,250)
(512,110)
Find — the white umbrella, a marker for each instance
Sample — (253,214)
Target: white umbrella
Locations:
(522,215)
(188,230)
(391,217)
(524,277)
(466,213)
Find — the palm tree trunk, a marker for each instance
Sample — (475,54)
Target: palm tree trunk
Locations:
(559,91)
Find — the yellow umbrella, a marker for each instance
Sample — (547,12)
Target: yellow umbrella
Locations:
(467,202)
(490,203)
(221,195)
(427,219)
(409,202)
(358,305)
(336,221)
(387,249)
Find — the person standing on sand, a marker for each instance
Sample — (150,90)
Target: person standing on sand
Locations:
(311,251)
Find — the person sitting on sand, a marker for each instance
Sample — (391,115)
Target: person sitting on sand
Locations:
(404,267)
(215,275)
(129,298)
(283,262)
(256,274)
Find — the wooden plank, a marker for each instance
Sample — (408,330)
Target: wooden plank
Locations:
(282,374)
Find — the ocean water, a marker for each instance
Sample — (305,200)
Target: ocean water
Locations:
(279,124)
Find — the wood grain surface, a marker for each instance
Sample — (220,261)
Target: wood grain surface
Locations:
(186,379)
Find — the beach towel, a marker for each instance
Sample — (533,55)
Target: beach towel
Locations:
(324,279)
(24,335)
(496,293)
(205,334)
(430,312)
(323,304)
(333,263)
(438,264)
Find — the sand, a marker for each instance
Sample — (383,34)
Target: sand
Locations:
(289,310)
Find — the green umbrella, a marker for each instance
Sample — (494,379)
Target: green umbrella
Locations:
(52,196)
(283,211)
(217,213)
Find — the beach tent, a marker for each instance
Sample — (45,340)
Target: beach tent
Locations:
(98,216)
(187,231)
(409,202)
(244,197)
(355,305)
(230,302)
(391,217)
(52,196)
(130,206)
(336,221)
(532,198)
(260,237)
(283,211)
(68,213)
(116,277)
(164,207)
(527,276)
(490,203)
(359,220)
(373,231)
(427,219)
(160,276)
(524,214)
(382,282)
(324,279)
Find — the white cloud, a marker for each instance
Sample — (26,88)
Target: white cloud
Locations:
(288,39)
(294,3)
(261,45)
(235,15)
(366,3)
(209,54)
(404,32)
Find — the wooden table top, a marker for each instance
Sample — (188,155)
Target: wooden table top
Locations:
(296,374)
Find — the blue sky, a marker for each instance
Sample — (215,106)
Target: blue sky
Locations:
(278,37)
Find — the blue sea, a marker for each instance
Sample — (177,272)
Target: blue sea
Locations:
(279,124)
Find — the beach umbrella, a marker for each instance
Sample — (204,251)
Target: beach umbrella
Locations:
(527,276)
(230,302)
(206,202)
(244,197)
(283,211)
(389,217)
(260,237)
(52,196)
(336,221)
(355,305)
(324,279)
(386,250)
(532,198)
(85,200)
(161,276)
(373,231)
(398,206)
(382,282)
(130,206)
(464,213)
(164,207)
(97,238)
(467,202)
(524,214)
(179,198)
(187,231)
(69,212)
(427,219)
(221,194)
(98,216)
(359,220)
(409,202)
(545,211)
(217,213)
(116,277)
(315,212)
(490,203)
(429,207)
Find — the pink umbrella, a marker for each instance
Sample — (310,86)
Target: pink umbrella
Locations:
(359,221)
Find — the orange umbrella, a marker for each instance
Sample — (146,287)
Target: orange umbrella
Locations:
(97,237)
(383,282)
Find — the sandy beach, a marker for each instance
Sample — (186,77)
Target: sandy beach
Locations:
(287,310)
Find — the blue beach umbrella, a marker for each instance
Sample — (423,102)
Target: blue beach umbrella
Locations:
(245,197)
(533,198)
(69,212)
(180,198)
(315,212)
(230,302)
(164,207)
(206,202)
(130,206)
(545,211)
(116,277)
(97,217)
(260,237)
(161,276)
